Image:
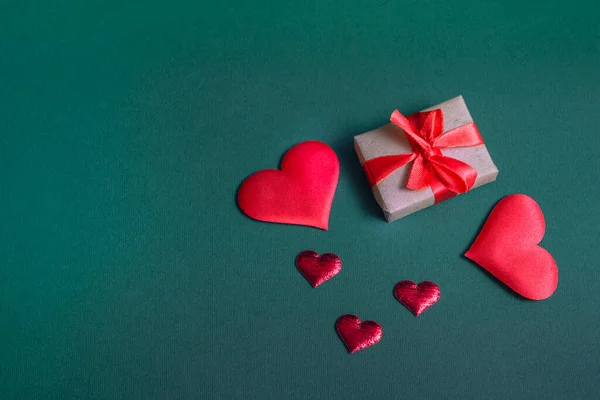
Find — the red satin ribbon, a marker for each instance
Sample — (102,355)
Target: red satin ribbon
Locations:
(446,176)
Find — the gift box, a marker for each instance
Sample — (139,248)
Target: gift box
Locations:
(424,158)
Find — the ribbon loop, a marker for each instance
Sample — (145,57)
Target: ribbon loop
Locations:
(377,169)
(432,124)
(456,175)
(412,133)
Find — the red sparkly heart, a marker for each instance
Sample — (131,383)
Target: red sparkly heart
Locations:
(357,335)
(300,193)
(317,269)
(417,298)
(507,247)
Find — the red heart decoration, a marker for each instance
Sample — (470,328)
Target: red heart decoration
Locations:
(357,335)
(417,298)
(507,247)
(318,269)
(300,193)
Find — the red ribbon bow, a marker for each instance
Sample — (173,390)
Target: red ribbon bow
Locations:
(447,176)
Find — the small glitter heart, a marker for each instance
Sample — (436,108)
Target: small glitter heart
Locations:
(318,269)
(357,335)
(417,298)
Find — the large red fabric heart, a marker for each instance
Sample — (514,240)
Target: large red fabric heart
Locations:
(300,193)
(318,269)
(357,335)
(507,247)
(417,298)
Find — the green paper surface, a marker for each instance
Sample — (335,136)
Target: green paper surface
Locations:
(128,272)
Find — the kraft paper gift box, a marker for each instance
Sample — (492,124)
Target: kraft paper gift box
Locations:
(391,192)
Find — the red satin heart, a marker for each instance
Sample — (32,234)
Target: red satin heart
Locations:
(318,269)
(417,298)
(357,335)
(300,193)
(507,247)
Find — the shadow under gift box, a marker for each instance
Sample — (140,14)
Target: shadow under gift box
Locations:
(391,193)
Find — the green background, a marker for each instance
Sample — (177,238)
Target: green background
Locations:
(128,272)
